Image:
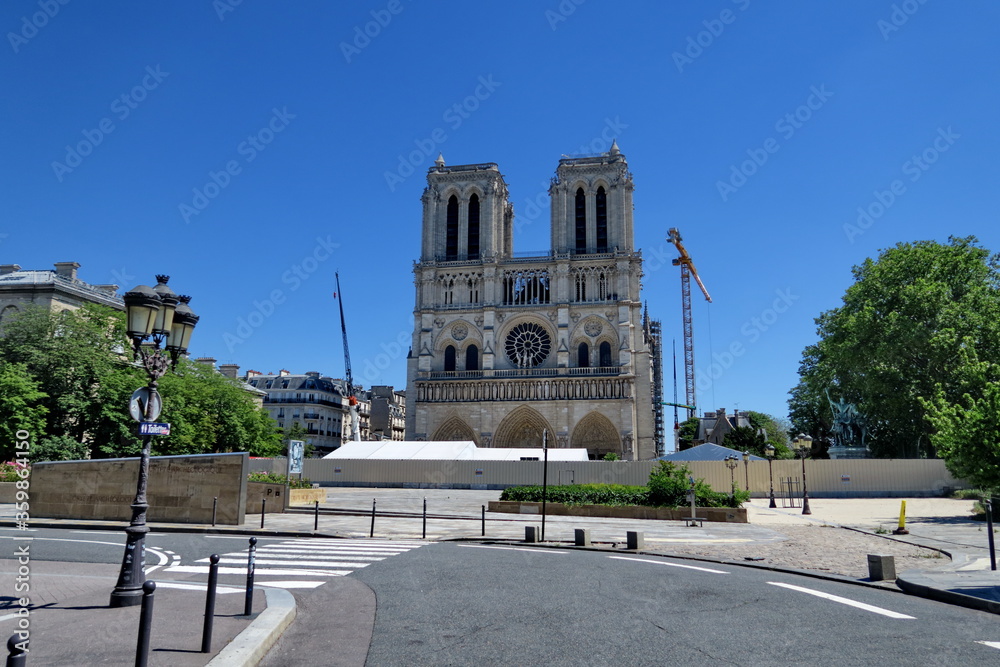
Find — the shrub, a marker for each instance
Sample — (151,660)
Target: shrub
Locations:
(9,472)
(275,478)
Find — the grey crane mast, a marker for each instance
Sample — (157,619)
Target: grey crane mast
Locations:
(352,400)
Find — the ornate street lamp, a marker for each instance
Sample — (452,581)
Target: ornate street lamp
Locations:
(731,463)
(769,450)
(803,447)
(746,472)
(156,317)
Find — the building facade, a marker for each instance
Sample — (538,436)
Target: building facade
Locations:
(314,402)
(506,348)
(56,290)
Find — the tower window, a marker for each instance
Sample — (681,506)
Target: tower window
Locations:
(605,353)
(449,358)
(451,230)
(474,227)
(472,358)
(583,356)
(581,221)
(602,219)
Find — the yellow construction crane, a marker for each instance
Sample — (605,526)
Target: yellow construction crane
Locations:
(687,270)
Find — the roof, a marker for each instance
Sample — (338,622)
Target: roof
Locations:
(707,452)
(447,450)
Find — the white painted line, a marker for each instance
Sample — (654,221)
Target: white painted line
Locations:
(228,537)
(849,602)
(290,584)
(163,560)
(663,562)
(62,539)
(295,563)
(8,617)
(990,644)
(533,551)
(346,550)
(221,590)
(201,569)
(98,532)
(291,554)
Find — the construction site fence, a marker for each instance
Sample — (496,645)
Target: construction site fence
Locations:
(844,478)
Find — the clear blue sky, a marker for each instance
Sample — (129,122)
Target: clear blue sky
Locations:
(830,103)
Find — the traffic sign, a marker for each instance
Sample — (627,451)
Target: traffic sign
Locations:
(137,406)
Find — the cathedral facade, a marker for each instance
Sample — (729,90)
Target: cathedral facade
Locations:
(507,348)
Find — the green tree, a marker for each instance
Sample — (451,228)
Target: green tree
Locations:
(687,433)
(898,341)
(775,433)
(21,408)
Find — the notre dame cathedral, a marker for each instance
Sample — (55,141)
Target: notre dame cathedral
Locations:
(506,347)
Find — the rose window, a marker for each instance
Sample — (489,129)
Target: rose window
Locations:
(527,345)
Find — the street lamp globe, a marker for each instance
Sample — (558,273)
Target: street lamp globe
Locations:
(141,307)
(184,321)
(769,451)
(168,302)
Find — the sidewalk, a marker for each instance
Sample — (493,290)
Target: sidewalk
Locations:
(944,557)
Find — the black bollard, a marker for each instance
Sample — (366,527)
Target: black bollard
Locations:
(17,652)
(263,505)
(213,582)
(316,518)
(484,520)
(371,533)
(215,509)
(989,530)
(425,519)
(248,603)
(145,624)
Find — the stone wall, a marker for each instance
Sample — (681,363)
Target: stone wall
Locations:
(181,489)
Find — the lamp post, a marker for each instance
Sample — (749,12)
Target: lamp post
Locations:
(769,450)
(156,316)
(731,463)
(803,446)
(746,472)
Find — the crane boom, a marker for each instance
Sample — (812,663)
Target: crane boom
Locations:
(687,271)
(352,400)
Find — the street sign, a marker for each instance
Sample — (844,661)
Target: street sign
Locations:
(295,451)
(137,406)
(152,428)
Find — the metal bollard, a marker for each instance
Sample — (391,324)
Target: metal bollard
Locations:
(248,602)
(989,529)
(213,582)
(215,509)
(424,536)
(263,505)
(371,533)
(17,650)
(484,520)
(145,624)
(316,517)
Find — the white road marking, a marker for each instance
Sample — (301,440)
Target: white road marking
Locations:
(990,644)
(261,571)
(162,556)
(63,539)
(663,562)
(295,563)
(290,584)
(221,590)
(847,601)
(533,551)
(227,537)
(299,555)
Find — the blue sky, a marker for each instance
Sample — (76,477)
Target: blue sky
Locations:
(251,150)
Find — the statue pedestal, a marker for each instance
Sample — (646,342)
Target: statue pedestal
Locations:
(849,453)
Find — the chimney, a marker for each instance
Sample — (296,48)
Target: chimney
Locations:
(230,370)
(313,374)
(282,373)
(67,270)
(9,268)
(206,360)
(252,373)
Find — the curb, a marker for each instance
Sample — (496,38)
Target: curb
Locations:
(250,646)
(946,596)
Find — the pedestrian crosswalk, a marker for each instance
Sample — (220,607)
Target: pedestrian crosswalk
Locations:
(317,559)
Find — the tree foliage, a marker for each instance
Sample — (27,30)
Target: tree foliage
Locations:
(70,375)
(906,334)
(21,409)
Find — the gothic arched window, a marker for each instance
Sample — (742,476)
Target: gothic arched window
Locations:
(472,358)
(601,206)
(451,230)
(474,227)
(605,353)
(449,358)
(581,221)
(583,356)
